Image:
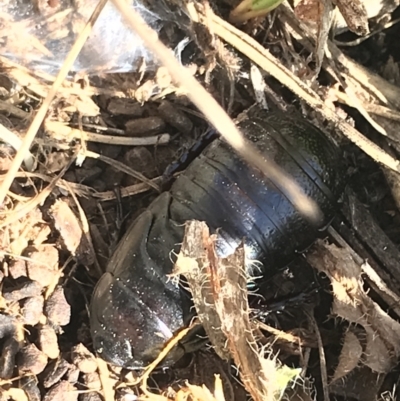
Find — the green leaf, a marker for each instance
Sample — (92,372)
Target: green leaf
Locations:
(265,5)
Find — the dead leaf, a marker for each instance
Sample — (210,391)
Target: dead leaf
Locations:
(350,356)
(353,304)
(308,10)
(318,14)
(67,224)
(355,15)
(72,235)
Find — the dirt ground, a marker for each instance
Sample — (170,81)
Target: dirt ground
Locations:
(77,167)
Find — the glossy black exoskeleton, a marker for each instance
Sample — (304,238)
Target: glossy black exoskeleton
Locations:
(135,308)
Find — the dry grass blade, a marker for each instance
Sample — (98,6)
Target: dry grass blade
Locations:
(217,116)
(324,25)
(145,376)
(39,84)
(264,59)
(346,79)
(40,115)
(106,382)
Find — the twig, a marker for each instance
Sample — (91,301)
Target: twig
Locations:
(39,117)
(63,130)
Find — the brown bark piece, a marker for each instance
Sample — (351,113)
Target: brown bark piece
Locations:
(355,15)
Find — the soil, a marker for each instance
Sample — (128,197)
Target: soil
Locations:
(99,161)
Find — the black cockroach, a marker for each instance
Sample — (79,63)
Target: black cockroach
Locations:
(135,308)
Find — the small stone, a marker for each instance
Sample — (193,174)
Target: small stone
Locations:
(31,360)
(62,391)
(89,205)
(175,117)
(111,151)
(144,126)
(32,310)
(140,159)
(99,185)
(48,342)
(124,106)
(86,175)
(57,309)
(92,380)
(30,385)
(67,224)
(7,359)
(42,265)
(17,269)
(112,177)
(70,176)
(56,370)
(25,290)
(91,397)
(73,374)
(83,359)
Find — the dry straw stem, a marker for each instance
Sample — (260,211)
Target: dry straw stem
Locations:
(85,191)
(357,82)
(217,116)
(107,383)
(322,359)
(60,130)
(146,374)
(12,110)
(39,117)
(264,59)
(305,36)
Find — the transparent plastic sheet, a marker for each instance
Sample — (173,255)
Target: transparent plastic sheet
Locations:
(41,37)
